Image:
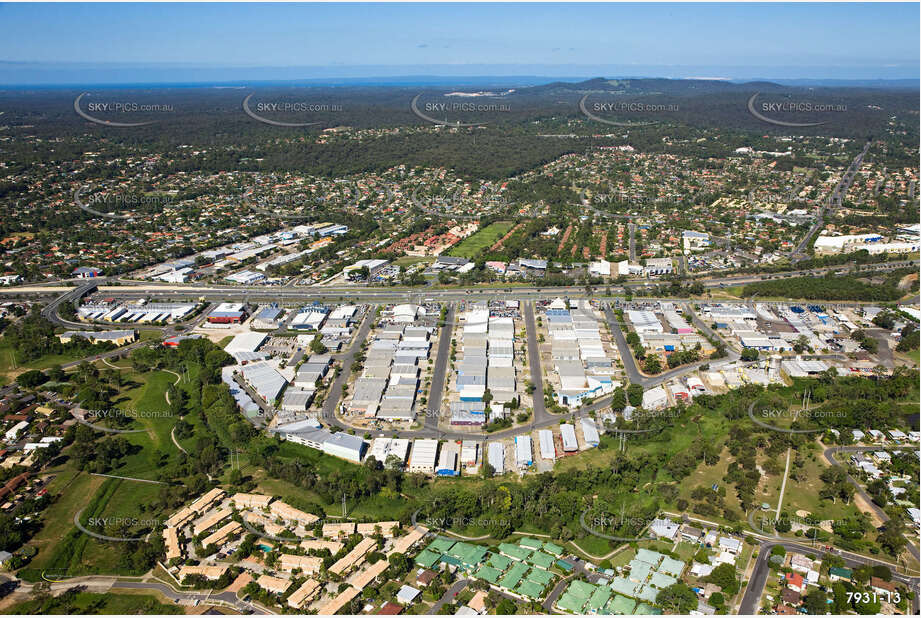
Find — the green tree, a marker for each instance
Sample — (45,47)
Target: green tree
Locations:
(677,598)
(635,395)
(506,607)
(724,576)
(815,603)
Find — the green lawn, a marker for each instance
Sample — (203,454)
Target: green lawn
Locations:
(483,239)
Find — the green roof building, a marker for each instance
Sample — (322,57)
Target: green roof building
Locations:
(469,555)
(621,605)
(648,556)
(639,570)
(570,603)
(529,589)
(517,569)
(599,598)
(530,543)
(514,551)
(540,576)
(499,561)
(661,580)
(441,545)
(540,559)
(648,593)
(489,574)
(624,586)
(553,548)
(646,610)
(670,566)
(510,581)
(581,588)
(576,596)
(427,558)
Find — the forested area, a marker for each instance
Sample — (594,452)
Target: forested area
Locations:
(837,287)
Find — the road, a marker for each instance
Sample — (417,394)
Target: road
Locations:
(204,597)
(632,244)
(829,455)
(448,596)
(755,588)
(257,293)
(537,379)
(345,370)
(833,203)
(630,367)
(440,372)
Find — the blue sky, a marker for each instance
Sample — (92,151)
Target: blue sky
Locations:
(673,40)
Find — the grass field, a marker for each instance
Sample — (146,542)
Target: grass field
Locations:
(483,239)
(409,260)
(121,603)
(62,548)
(380,506)
(74,490)
(147,395)
(10,367)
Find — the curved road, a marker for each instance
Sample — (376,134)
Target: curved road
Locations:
(829,455)
(755,588)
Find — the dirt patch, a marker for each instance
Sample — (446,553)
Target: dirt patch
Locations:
(906,282)
(866,508)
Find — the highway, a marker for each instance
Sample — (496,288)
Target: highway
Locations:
(260,293)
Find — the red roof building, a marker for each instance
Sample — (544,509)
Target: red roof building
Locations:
(390,609)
